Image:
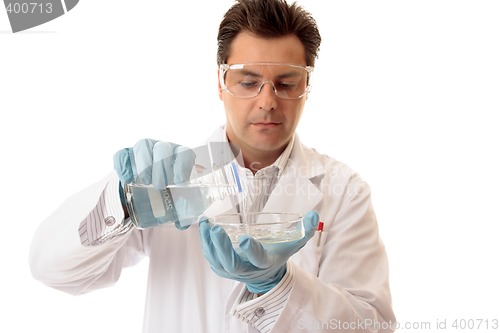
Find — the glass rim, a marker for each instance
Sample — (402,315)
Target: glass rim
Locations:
(225,66)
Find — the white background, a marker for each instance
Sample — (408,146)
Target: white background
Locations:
(405,92)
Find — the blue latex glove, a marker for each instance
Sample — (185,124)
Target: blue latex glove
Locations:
(152,162)
(261,269)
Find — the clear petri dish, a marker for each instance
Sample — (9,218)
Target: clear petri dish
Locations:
(267,228)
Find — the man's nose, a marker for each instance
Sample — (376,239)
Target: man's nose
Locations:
(267,96)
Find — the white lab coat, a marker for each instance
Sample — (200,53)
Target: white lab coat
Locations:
(343,282)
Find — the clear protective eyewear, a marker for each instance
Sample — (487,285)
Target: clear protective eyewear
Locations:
(247,80)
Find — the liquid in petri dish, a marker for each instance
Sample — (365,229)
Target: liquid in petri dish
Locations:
(267,236)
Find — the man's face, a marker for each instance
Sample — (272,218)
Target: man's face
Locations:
(263,125)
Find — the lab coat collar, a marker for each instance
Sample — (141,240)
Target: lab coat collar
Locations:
(295,191)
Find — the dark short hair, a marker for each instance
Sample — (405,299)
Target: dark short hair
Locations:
(268,19)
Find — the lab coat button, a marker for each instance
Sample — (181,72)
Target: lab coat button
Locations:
(259,312)
(109,221)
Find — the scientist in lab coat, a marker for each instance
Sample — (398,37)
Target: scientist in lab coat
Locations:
(336,280)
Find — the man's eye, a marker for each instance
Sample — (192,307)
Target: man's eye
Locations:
(248,84)
(285,85)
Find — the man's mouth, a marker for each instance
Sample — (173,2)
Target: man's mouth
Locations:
(266,124)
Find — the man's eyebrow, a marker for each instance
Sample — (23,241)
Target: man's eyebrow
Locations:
(289,74)
(245,71)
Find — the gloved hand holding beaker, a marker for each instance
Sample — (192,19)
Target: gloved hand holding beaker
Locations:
(145,170)
(162,183)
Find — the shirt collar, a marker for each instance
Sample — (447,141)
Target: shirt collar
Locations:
(282,160)
(279,163)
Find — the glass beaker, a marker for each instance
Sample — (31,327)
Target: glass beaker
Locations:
(187,202)
(214,190)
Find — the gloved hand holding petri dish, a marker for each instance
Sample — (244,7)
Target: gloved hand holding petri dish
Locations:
(260,264)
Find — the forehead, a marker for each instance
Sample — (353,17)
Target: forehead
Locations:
(249,48)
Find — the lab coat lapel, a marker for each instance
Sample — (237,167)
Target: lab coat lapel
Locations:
(295,191)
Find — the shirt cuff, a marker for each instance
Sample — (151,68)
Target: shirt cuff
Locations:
(262,312)
(106,220)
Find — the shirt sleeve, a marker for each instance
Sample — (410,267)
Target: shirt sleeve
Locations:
(262,311)
(106,221)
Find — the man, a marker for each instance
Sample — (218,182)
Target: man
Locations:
(197,282)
